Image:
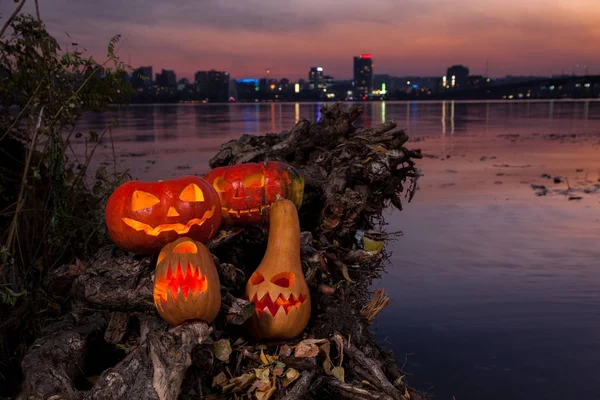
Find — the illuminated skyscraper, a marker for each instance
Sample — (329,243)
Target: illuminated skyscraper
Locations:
(363,74)
(456,76)
(315,77)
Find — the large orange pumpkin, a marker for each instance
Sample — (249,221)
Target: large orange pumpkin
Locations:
(278,288)
(247,191)
(142,217)
(186,283)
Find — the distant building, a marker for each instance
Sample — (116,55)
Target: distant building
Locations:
(218,85)
(456,76)
(363,74)
(315,78)
(201,82)
(475,81)
(166,78)
(247,89)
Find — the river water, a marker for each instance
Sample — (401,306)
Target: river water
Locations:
(495,290)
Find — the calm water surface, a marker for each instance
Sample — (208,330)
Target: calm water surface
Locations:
(496,291)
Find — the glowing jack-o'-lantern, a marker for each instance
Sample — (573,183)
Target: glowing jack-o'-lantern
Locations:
(186,283)
(278,288)
(247,191)
(142,217)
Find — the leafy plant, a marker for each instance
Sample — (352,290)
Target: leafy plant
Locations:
(51,204)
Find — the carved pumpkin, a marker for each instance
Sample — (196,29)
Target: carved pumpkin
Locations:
(142,217)
(247,191)
(278,288)
(186,283)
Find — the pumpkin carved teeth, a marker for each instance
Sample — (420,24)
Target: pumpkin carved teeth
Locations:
(266,304)
(177,280)
(178,227)
(248,211)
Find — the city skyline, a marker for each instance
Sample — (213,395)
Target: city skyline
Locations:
(405,37)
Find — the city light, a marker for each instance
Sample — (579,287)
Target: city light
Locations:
(320,69)
(297,88)
(366,56)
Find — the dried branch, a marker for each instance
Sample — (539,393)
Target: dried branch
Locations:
(349,391)
(378,302)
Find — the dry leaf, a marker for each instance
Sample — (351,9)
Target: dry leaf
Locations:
(367,383)
(306,350)
(278,370)
(258,385)
(372,245)
(222,350)
(263,358)
(262,373)
(290,376)
(325,348)
(285,351)
(266,392)
(338,372)
(345,273)
(308,347)
(219,380)
(239,383)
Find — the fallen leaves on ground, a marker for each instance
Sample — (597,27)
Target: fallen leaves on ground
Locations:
(223,350)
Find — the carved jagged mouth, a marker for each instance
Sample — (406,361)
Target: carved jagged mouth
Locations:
(240,213)
(175,280)
(266,304)
(178,227)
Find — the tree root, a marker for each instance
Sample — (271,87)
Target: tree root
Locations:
(154,370)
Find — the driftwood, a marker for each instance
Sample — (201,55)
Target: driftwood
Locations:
(351,174)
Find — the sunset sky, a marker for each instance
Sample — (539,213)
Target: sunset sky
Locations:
(406,37)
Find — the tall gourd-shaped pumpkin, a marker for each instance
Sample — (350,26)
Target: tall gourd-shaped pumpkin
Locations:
(142,217)
(186,283)
(278,288)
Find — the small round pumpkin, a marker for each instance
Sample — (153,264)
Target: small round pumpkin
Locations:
(247,191)
(186,283)
(142,217)
(278,288)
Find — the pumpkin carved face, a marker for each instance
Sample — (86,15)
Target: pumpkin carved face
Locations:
(247,191)
(278,288)
(142,217)
(186,283)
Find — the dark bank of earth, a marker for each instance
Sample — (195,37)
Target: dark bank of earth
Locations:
(351,174)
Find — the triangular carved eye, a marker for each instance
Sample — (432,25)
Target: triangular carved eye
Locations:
(256,278)
(141,200)
(283,279)
(191,193)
